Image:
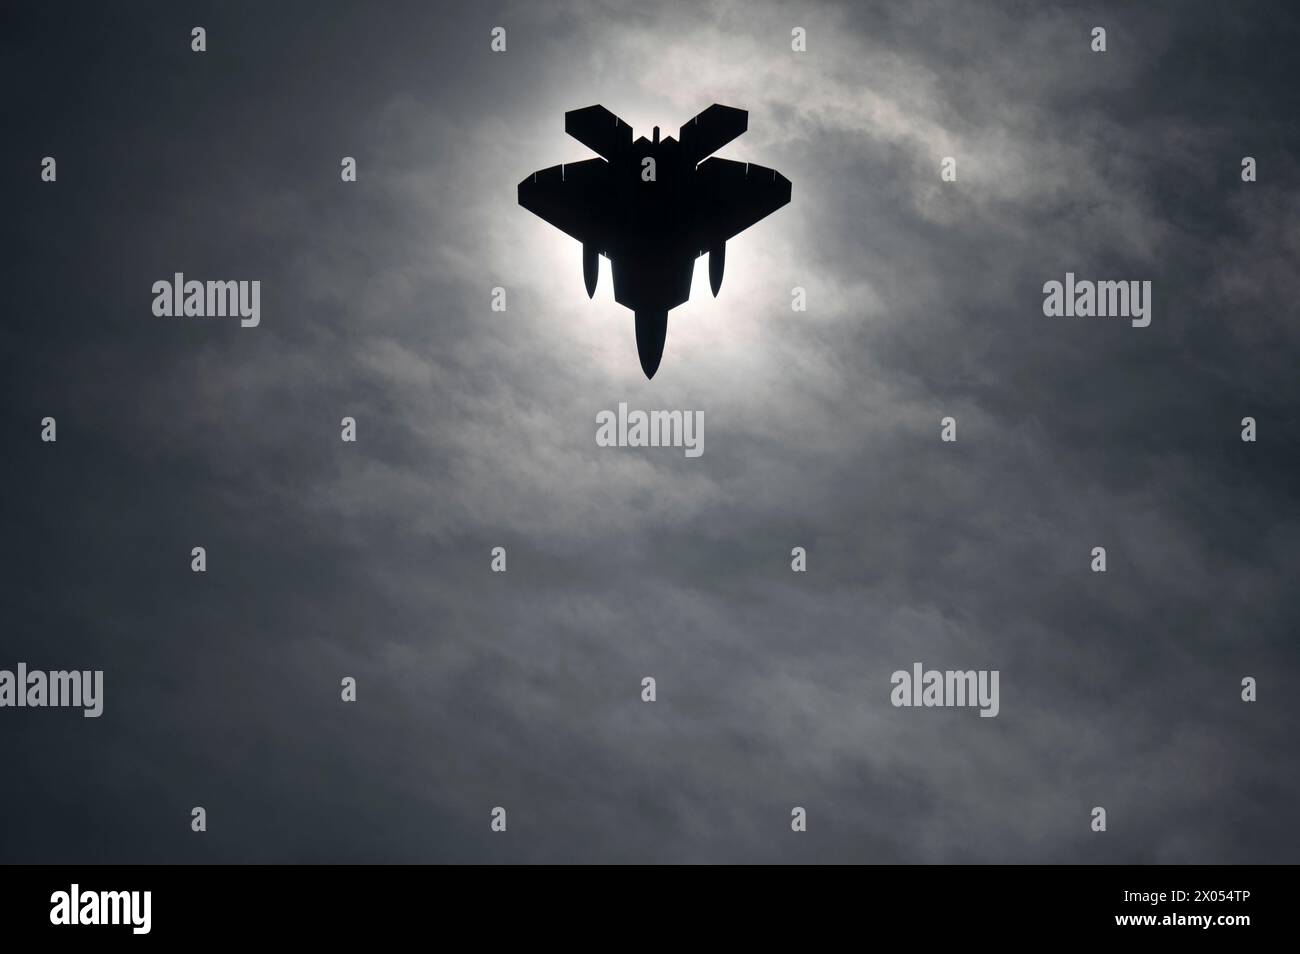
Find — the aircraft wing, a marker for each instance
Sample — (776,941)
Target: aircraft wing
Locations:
(574,198)
(733,196)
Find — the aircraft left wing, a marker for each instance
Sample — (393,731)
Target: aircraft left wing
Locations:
(572,197)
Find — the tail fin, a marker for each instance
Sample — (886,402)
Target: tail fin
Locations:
(651,330)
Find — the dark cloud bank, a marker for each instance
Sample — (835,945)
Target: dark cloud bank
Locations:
(821,430)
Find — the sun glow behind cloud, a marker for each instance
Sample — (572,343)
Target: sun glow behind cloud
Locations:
(837,124)
(763,374)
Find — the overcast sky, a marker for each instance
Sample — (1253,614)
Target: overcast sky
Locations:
(476,429)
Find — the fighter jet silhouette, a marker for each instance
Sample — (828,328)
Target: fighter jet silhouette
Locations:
(653,219)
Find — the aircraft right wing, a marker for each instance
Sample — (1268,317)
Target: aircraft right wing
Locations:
(574,198)
(733,196)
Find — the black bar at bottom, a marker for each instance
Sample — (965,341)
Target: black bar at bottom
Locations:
(335,904)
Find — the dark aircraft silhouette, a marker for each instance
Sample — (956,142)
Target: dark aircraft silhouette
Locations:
(653,227)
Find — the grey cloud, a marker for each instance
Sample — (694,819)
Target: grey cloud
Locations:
(477,430)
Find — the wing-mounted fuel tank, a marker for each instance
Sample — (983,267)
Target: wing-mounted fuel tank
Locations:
(591,268)
(717,261)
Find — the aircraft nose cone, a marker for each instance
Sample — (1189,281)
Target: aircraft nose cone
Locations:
(651,329)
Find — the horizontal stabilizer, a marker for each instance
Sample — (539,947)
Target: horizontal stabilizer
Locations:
(599,130)
(711,130)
